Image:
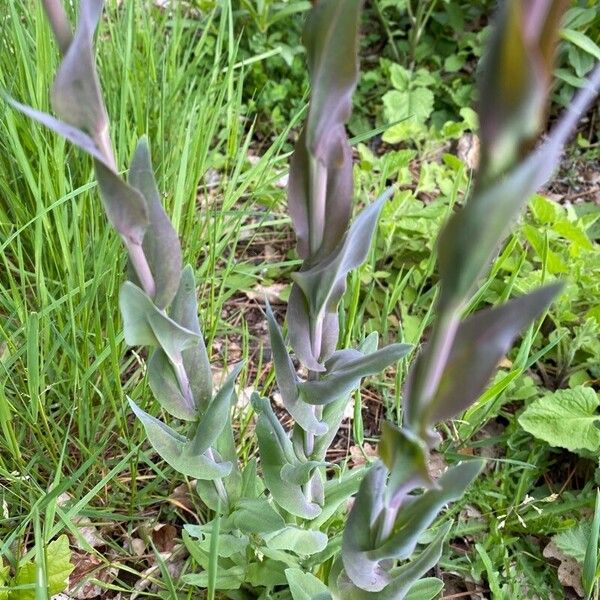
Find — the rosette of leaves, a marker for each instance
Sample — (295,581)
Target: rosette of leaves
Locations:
(158,302)
(320,203)
(398,500)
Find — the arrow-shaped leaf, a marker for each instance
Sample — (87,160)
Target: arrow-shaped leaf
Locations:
(216,417)
(324,284)
(146,325)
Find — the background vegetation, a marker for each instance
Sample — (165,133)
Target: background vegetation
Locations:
(220,90)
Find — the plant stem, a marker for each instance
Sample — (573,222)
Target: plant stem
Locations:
(141,267)
(318,204)
(218,483)
(183,381)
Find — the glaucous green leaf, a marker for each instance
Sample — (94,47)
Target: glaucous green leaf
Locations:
(303,542)
(337,491)
(229,544)
(566,419)
(478,345)
(276,451)
(177,450)
(146,325)
(301,473)
(226,579)
(515,80)
(124,205)
(324,284)
(266,573)
(426,589)
(470,239)
(405,582)
(72,134)
(299,330)
(331,40)
(364,561)
(76,95)
(165,388)
(257,515)
(341,381)
(405,456)
(367,574)
(335,187)
(417,513)
(161,244)
(216,416)
(287,381)
(184,311)
(59,22)
(305,586)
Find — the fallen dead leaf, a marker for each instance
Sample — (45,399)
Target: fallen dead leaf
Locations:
(85,578)
(359,455)
(272,292)
(164,536)
(569,570)
(468,150)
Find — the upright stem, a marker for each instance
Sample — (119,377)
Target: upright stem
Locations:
(318,203)
(141,267)
(183,381)
(218,483)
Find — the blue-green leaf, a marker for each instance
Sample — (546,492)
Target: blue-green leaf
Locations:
(276,451)
(305,586)
(341,381)
(217,415)
(146,325)
(287,381)
(184,311)
(177,450)
(479,344)
(303,542)
(161,244)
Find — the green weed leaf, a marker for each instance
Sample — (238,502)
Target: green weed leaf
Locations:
(574,541)
(303,542)
(566,418)
(58,569)
(305,586)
